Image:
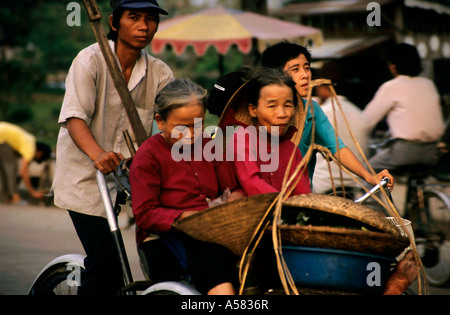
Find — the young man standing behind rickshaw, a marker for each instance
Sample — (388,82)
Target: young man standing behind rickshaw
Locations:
(92,120)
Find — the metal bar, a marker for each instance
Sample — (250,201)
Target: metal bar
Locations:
(107,203)
(374,190)
(114,227)
(126,270)
(95,19)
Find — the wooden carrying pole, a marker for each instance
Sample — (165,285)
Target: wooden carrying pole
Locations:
(95,19)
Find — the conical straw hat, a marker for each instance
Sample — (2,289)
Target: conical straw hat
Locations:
(383,240)
(369,242)
(231,224)
(344,207)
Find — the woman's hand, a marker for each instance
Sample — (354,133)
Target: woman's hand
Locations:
(235,195)
(185,214)
(376,180)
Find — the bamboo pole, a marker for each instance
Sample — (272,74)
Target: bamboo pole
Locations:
(95,19)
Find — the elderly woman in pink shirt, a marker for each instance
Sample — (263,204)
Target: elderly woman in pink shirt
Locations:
(262,145)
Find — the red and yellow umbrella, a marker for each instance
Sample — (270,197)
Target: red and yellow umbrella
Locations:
(223,28)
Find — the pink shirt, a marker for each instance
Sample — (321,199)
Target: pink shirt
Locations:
(248,162)
(163,188)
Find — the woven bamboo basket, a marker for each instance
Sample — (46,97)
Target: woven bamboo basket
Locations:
(231,224)
(382,238)
(369,242)
(343,207)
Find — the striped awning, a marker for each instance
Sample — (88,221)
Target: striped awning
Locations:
(223,28)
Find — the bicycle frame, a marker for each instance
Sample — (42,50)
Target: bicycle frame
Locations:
(114,227)
(417,189)
(429,238)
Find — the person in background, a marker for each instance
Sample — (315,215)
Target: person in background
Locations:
(15,142)
(166,189)
(412,109)
(321,180)
(92,120)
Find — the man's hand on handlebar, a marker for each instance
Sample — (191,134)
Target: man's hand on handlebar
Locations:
(108,162)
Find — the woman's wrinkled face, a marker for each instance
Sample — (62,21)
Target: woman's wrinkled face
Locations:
(275,108)
(181,123)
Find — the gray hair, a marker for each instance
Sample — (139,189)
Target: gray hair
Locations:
(179,93)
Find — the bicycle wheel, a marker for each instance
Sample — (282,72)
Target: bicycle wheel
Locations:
(55,281)
(171,288)
(437,235)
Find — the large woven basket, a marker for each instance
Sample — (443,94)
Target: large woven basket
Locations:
(231,224)
(383,238)
(369,242)
(343,207)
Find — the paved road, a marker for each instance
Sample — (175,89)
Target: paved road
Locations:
(31,236)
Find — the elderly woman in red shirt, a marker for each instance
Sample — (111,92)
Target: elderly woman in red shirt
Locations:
(166,189)
(264,109)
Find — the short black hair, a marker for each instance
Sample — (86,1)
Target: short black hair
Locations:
(224,89)
(278,55)
(117,14)
(406,58)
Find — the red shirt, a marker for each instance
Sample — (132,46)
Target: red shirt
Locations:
(163,188)
(248,160)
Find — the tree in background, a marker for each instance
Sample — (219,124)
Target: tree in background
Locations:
(36,43)
(19,75)
(257,6)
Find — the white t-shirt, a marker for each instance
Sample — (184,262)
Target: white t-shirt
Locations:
(91,95)
(412,107)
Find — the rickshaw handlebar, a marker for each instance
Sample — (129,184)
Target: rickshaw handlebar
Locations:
(384,181)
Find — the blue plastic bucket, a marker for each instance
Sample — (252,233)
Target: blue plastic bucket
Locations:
(337,269)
